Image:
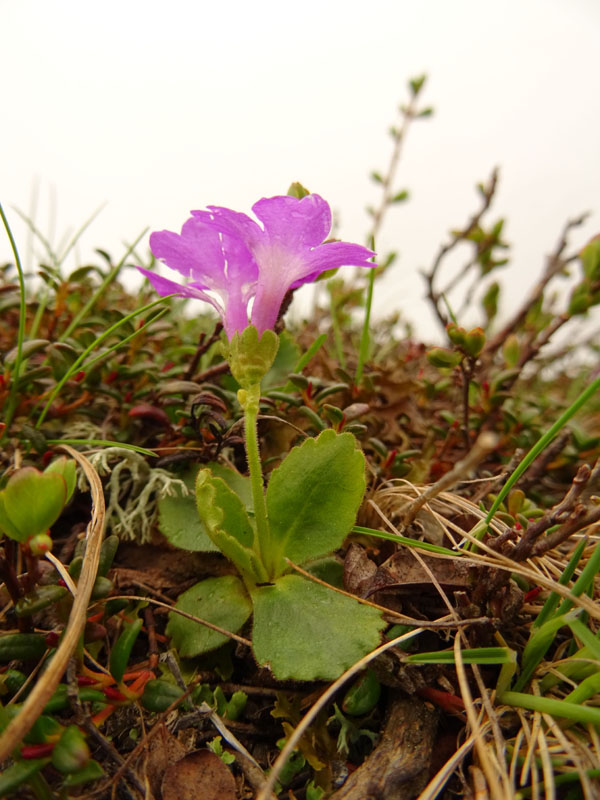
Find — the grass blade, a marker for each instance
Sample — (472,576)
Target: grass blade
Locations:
(12,398)
(77,364)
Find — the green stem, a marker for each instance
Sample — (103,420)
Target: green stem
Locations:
(251,403)
(13,396)
(365,339)
(337,334)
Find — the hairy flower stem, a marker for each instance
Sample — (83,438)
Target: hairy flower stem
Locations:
(250,402)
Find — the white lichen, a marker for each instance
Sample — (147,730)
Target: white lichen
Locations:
(133,491)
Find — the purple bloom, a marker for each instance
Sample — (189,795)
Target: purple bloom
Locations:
(215,263)
(230,254)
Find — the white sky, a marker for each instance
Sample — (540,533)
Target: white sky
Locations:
(159,107)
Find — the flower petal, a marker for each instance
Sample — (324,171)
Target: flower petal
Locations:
(195,253)
(331,256)
(294,223)
(165,287)
(233,223)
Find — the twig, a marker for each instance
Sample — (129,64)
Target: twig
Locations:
(211,372)
(556,263)
(409,113)
(433,295)
(570,512)
(203,345)
(577,522)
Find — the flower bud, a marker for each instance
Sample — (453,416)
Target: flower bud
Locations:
(474,342)
(40,544)
(511,350)
(456,334)
(443,358)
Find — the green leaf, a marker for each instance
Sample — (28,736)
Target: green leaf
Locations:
(285,362)
(66,467)
(401,196)
(159,695)
(18,773)
(39,598)
(417,83)
(122,648)
(22,647)
(304,631)
(31,502)
(363,695)
(314,496)
(72,752)
(219,507)
(91,772)
(221,601)
(477,655)
(556,708)
(228,525)
(178,518)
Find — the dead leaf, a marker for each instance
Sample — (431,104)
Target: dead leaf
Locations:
(403,573)
(359,570)
(164,749)
(200,774)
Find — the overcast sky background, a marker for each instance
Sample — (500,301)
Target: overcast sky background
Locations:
(157,108)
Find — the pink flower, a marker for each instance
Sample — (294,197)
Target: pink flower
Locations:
(231,255)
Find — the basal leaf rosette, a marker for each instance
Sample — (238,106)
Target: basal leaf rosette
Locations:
(301,630)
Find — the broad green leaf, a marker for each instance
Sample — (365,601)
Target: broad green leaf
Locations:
(314,496)
(329,569)
(178,518)
(228,525)
(221,601)
(179,522)
(31,502)
(219,507)
(66,467)
(285,362)
(304,631)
